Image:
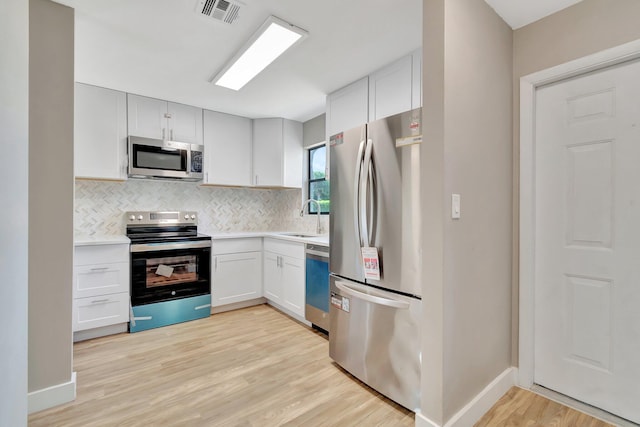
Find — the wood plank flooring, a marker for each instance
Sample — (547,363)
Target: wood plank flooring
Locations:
(250,367)
(244,368)
(521,407)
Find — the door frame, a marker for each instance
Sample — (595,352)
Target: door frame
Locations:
(528,87)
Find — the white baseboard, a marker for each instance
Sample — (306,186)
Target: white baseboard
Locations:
(238,305)
(289,313)
(479,405)
(52,396)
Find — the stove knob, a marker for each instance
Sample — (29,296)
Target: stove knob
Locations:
(186,216)
(132,218)
(193,217)
(139,217)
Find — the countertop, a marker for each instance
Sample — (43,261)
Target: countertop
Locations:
(100,239)
(322,239)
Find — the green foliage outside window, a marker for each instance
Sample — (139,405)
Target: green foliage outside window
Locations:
(318,184)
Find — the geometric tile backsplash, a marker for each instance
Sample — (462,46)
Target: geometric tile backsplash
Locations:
(100,206)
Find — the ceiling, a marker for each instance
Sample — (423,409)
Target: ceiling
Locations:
(518,13)
(164,49)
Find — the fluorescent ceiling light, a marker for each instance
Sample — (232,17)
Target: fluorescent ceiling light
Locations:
(271,40)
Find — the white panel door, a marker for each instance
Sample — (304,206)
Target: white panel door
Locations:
(587,256)
(185,123)
(268,154)
(272,277)
(147,117)
(390,89)
(100,133)
(348,107)
(293,282)
(227,151)
(236,278)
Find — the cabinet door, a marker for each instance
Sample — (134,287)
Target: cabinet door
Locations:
(272,277)
(390,89)
(236,278)
(293,284)
(293,155)
(416,85)
(100,133)
(227,151)
(348,107)
(185,123)
(268,154)
(147,117)
(95,312)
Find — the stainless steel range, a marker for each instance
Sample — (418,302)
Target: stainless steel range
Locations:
(170,269)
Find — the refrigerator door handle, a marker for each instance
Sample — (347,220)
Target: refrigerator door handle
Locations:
(366,184)
(356,196)
(371,296)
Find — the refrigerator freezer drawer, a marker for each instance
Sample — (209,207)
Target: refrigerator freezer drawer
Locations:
(375,335)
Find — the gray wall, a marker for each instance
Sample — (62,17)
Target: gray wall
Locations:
(313,131)
(468,102)
(586,28)
(14,168)
(50,193)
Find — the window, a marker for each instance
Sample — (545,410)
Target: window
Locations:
(318,184)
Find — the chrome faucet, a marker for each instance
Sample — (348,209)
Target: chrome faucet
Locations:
(318,209)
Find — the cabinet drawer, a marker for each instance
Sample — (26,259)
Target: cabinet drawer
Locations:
(101,254)
(100,279)
(95,312)
(284,247)
(234,246)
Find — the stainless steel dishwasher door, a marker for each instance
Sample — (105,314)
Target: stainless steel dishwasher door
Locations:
(316,308)
(375,335)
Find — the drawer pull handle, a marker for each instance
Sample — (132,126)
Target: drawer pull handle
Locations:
(99,268)
(100,301)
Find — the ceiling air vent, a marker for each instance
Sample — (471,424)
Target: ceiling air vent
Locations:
(220,10)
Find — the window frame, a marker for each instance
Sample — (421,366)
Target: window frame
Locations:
(311,209)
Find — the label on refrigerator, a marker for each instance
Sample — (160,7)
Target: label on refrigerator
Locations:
(371,263)
(340,302)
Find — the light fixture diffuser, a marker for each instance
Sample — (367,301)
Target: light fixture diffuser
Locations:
(271,40)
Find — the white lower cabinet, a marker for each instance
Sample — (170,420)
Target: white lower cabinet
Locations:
(101,288)
(284,274)
(236,271)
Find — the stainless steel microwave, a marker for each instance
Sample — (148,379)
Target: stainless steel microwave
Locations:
(158,159)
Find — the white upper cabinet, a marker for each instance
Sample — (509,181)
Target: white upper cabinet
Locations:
(277,153)
(348,107)
(390,89)
(158,119)
(227,141)
(100,133)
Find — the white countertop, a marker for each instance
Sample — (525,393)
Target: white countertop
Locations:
(100,239)
(322,239)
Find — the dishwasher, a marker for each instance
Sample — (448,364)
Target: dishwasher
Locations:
(316,308)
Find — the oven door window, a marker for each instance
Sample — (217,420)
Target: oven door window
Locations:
(166,275)
(150,157)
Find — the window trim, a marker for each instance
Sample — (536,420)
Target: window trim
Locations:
(313,180)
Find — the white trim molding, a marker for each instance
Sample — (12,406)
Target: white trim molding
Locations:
(52,396)
(528,86)
(479,405)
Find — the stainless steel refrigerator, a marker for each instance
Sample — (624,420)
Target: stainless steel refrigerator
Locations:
(374,330)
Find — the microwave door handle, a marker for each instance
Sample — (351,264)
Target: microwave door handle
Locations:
(356,193)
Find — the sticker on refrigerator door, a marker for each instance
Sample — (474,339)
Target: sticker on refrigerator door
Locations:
(370,263)
(340,302)
(336,139)
(409,140)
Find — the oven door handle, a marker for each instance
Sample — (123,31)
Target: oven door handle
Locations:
(168,246)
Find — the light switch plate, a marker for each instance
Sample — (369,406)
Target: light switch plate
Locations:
(455,206)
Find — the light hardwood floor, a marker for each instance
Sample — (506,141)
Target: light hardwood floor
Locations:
(521,407)
(250,367)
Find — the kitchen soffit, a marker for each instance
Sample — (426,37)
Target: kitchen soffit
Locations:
(165,49)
